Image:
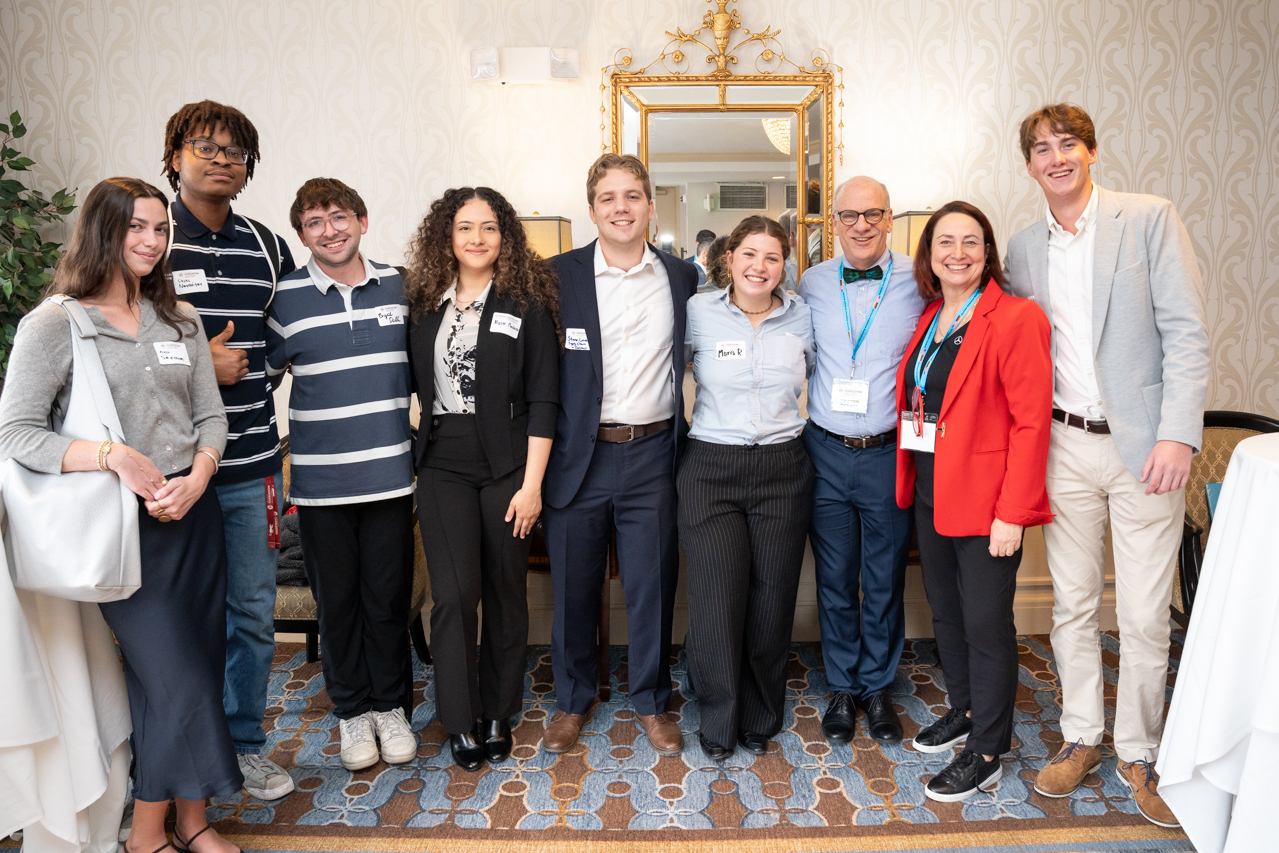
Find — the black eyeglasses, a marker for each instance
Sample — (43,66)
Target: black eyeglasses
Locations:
(849,217)
(206,150)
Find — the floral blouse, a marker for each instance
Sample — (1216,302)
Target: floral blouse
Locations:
(455,354)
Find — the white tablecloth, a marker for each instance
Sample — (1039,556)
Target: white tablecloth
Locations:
(1220,748)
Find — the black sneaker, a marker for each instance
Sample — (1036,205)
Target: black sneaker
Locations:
(945,732)
(965,776)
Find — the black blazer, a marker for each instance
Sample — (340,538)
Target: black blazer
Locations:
(582,372)
(516,381)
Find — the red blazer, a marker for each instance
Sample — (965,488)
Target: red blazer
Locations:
(992,434)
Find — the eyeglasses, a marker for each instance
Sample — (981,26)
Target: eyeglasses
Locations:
(339,221)
(206,150)
(849,217)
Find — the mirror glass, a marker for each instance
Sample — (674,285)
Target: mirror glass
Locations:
(813,247)
(660,95)
(629,134)
(813,149)
(791,96)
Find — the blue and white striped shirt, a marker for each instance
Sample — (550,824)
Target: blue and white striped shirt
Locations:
(349,438)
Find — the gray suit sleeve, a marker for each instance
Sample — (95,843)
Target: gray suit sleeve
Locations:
(1017,268)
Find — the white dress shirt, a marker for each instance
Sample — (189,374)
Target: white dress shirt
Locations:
(637,321)
(1070,273)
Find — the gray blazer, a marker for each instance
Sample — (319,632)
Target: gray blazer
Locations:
(1150,341)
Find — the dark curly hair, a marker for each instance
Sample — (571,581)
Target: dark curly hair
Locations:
(519,273)
(196,117)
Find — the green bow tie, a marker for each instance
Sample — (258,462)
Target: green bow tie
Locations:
(851,275)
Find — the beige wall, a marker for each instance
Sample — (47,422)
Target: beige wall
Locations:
(377,93)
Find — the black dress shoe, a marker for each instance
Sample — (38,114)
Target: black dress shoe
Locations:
(752,742)
(839,723)
(881,717)
(497,740)
(965,776)
(713,751)
(945,732)
(468,750)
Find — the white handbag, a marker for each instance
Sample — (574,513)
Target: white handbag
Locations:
(75,535)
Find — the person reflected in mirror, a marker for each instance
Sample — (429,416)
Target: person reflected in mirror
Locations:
(485,353)
(745,490)
(704,239)
(975,402)
(717,273)
(789,220)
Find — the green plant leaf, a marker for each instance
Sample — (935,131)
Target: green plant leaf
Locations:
(14,118)
(19,131)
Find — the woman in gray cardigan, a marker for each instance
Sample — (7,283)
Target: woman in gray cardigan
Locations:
(156,359)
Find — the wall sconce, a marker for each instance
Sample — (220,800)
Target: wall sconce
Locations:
(906,230)
(525,64)
(548,235)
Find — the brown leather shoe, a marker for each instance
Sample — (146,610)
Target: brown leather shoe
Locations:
(1141,777)
(562,732)
(663,733)
(1061,776)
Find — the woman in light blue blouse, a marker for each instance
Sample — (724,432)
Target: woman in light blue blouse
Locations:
(745,487)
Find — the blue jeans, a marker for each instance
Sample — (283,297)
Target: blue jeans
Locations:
(860,539)
(250,609)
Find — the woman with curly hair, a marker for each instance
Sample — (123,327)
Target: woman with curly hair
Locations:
(484,347)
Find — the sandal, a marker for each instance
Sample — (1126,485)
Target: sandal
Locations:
(156,850)
(186,844)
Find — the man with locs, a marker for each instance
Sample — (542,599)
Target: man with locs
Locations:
(227,266)
(1117,277)
(620,423)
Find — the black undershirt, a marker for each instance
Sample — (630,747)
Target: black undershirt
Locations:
(934,393)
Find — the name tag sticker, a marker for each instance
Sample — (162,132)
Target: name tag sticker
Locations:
(576,339)
(507,324)
(172,352)
(390,315)
(190,281)
(908,440)
(850,395)
(730,349)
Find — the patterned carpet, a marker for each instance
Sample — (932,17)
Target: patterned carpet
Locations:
(613,792)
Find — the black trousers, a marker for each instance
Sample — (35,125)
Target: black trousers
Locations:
(971,596)
(359,561)
(474,560)
(743,516)
(172,635)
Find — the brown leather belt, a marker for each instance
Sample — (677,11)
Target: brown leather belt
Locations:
(621,433)
(861,442)
(1099,427)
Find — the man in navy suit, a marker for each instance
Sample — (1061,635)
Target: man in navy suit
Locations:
(621,422)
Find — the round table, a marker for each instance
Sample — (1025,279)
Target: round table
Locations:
(1220,745)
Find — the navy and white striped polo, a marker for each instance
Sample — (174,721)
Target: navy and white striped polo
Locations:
(349,438)
(239,280)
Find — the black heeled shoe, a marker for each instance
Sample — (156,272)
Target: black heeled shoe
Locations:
(468,751)
(497,739)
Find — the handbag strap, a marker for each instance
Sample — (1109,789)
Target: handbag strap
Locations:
(88,365)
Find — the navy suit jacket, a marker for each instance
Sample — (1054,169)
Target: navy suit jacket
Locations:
(582,371)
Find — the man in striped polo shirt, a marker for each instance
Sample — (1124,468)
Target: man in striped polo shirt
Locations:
(340,324)
(227,266)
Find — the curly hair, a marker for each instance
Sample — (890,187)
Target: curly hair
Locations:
(206,114)
(519,273)
(717,263)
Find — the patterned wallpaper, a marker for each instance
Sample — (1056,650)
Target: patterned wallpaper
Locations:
(377,93)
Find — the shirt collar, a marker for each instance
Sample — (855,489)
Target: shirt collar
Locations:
(193,228)
(451,294)
(601,265)
(324,281)
(1087,218)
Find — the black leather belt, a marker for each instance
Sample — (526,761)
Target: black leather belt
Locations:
(621,433)
(861,442)
(1099,427)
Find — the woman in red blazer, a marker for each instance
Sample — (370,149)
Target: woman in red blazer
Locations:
(975,393)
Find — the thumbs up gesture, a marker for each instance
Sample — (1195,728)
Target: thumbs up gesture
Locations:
(230,365)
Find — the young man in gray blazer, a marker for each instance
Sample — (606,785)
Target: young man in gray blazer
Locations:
(1116,275)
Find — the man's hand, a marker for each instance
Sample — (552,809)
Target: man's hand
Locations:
(1167,467)
(230,365)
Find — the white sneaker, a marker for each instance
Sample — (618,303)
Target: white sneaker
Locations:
(399,744)
(359,748)
(263,778)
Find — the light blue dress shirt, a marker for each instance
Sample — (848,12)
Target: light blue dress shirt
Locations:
(748,379)
(881,352)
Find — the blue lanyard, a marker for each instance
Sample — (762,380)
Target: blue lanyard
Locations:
(870,318)
(921,366)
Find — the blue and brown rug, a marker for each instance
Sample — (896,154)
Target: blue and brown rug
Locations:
(613,792)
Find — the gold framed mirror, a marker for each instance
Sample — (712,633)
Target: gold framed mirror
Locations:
(721,145)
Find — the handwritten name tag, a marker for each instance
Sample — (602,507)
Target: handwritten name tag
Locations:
(575,339)
(172,352)
(730,349)
(390,315)
(507,324)
(190,281)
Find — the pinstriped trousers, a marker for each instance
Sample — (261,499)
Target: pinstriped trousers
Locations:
(744,511)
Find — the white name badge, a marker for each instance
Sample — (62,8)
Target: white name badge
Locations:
(172,352)
(390,315)
(507,324)
(190,281)
(730,349)
(908,440)
(576,339)
(850,395)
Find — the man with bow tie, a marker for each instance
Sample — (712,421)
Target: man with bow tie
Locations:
(865,306)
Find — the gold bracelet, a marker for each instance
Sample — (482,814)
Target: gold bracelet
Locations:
(103,450)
